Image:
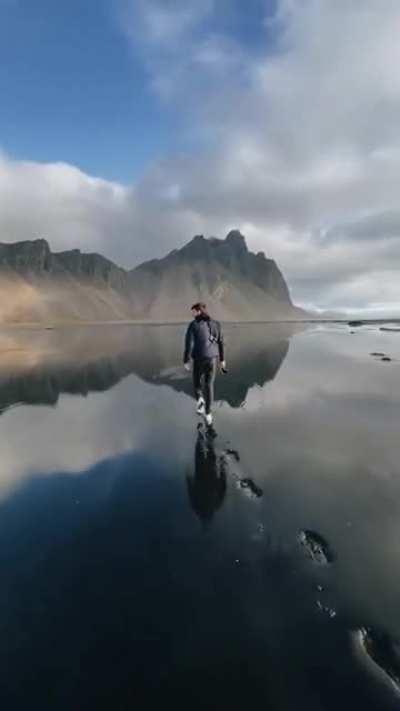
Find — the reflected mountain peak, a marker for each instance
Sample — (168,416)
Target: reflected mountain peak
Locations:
(38,365)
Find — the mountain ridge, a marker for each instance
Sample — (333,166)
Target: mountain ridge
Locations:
(39,285)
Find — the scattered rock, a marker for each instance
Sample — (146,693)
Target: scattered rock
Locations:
(251,486)
(245,483)
(259,534)
(378,354)
(233,453)
(383,328)
(355,323)
(326,610)
(383,650)
(386,359)
(317,548)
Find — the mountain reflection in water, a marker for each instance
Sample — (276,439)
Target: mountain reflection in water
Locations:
(145,563)
(36,367)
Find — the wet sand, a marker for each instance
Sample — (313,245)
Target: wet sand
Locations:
(146,560)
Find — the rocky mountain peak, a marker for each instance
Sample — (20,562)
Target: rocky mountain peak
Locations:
(236,240)
(236,283)
(29,255)
(195,248)
(199,246)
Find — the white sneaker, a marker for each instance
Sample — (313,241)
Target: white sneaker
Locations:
(209,419)
(200,406)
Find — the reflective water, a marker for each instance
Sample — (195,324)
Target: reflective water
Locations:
(146,562)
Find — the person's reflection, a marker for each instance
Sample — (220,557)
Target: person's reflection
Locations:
(207,488)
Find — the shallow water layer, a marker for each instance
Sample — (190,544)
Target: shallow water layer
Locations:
(146,560)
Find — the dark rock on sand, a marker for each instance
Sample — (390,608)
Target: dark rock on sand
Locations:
(355,323)
(233,453)
(316,547)
(386,359)
(251,486)
(386,328)
(382,650)
(378,354)
(326,610)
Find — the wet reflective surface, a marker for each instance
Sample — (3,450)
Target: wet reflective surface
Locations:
(147,561)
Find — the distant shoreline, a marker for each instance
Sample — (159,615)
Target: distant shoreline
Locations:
(52,325)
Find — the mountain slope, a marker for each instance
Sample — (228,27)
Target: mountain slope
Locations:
(37,285)
(235,283)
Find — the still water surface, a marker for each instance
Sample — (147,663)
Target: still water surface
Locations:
(146,563)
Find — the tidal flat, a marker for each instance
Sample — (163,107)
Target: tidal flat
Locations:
(146,560)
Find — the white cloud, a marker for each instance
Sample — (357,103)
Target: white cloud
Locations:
(59,202)
(297,143)
(82,431)
(162,22)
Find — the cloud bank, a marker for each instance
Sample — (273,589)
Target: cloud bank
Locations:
(294,139)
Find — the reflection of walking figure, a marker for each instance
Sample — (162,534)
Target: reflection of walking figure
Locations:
(207,487)
(204,343)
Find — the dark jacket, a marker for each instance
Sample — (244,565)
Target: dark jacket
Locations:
(204,339)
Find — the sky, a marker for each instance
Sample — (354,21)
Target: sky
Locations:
(129,126)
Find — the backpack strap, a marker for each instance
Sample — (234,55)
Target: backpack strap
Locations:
(212,337)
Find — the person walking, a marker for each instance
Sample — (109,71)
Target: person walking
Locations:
(204,344)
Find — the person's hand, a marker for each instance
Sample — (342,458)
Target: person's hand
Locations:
(187,366)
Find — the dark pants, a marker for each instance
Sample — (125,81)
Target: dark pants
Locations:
(204,372)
